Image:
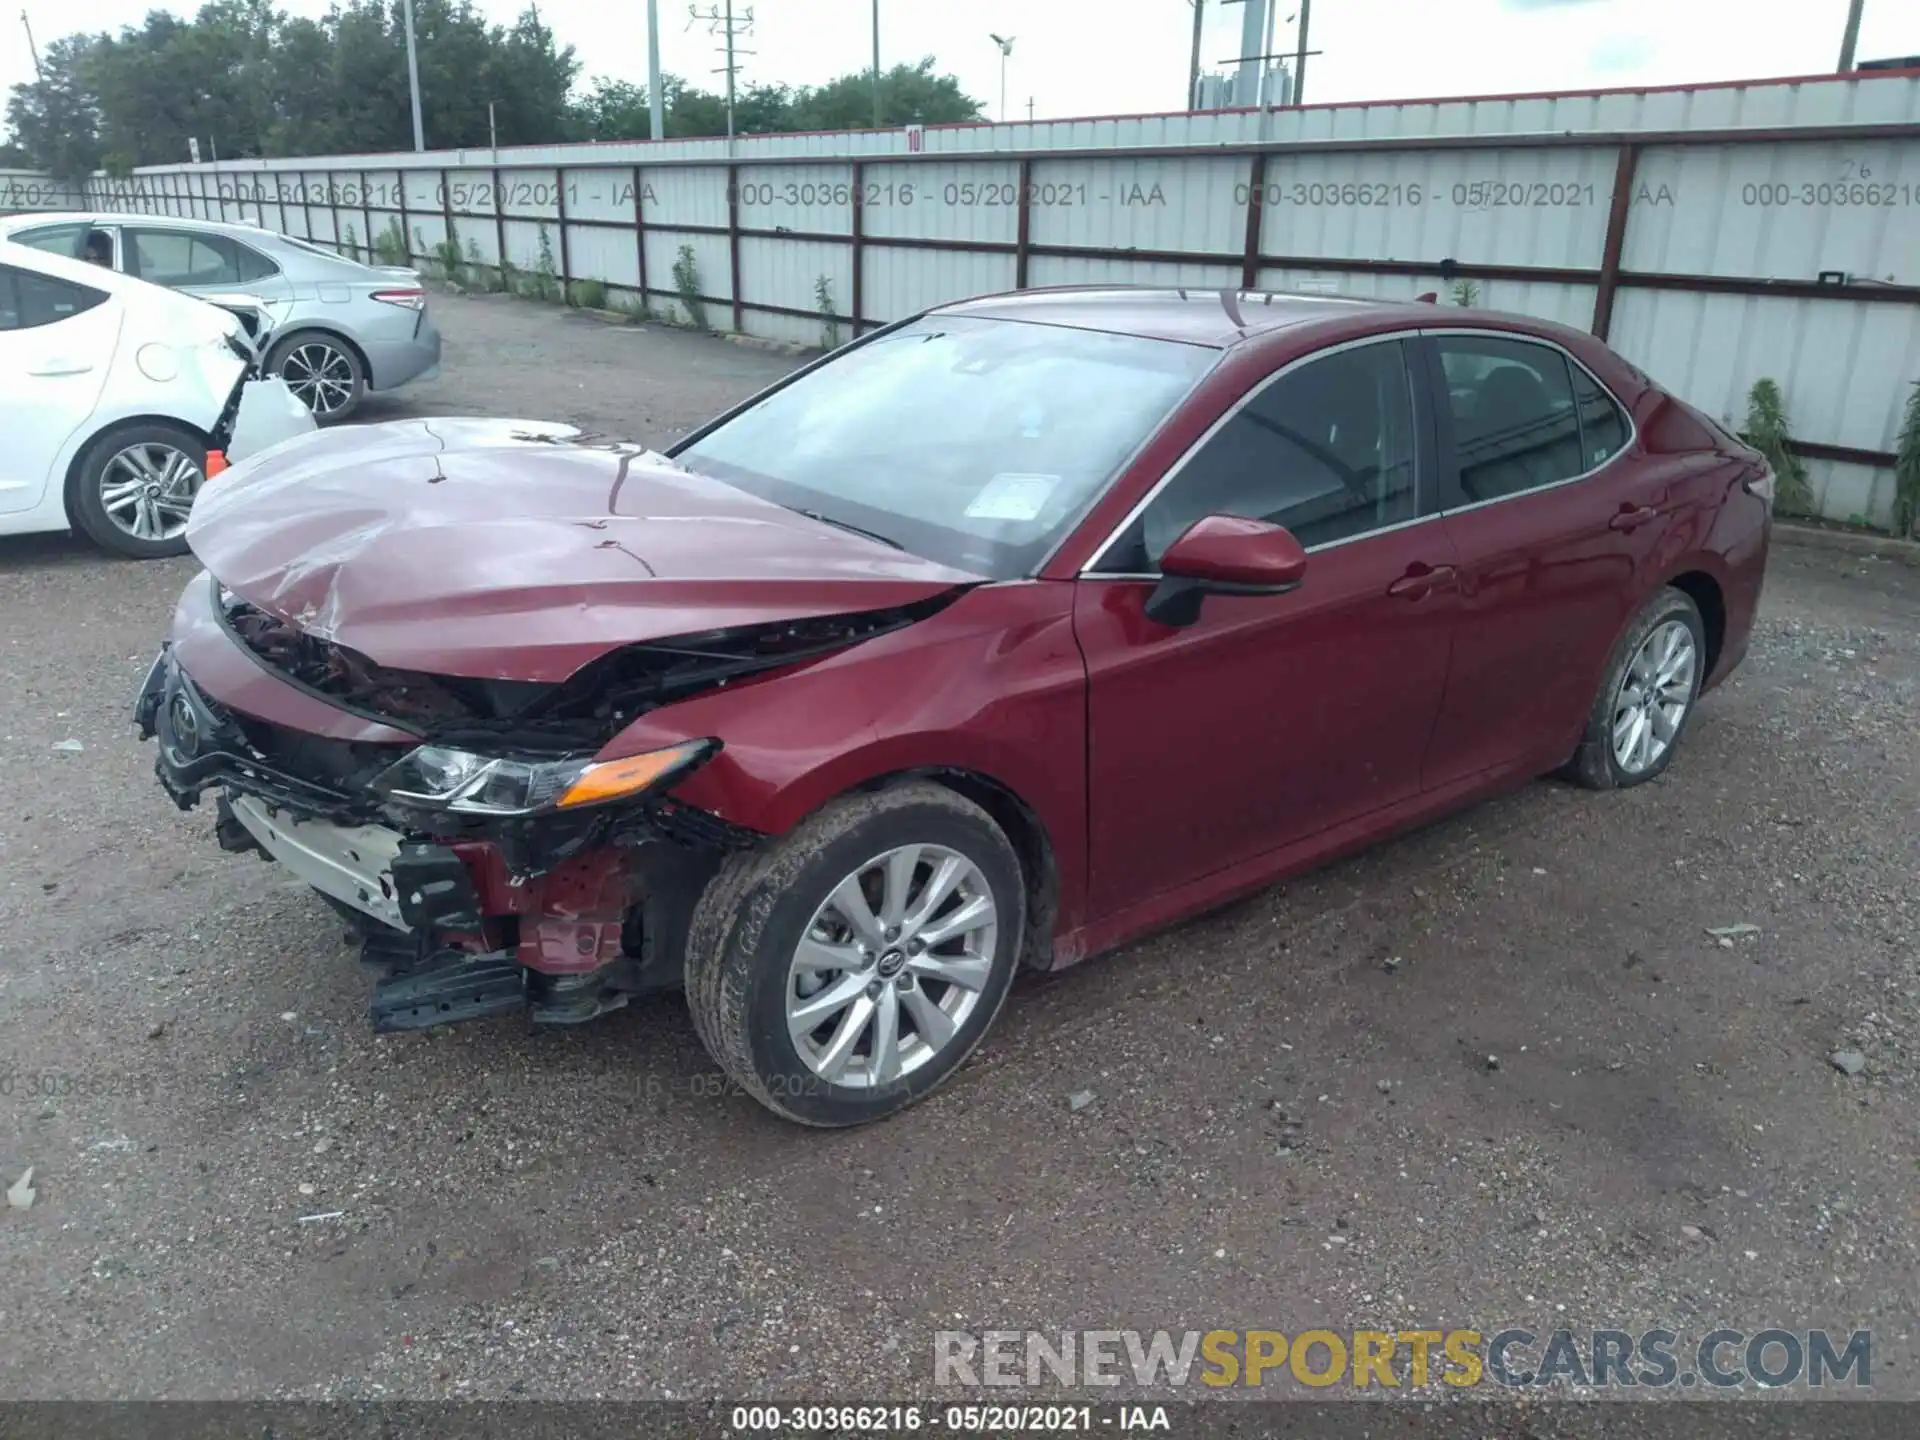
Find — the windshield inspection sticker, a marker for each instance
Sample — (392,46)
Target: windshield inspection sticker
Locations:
(1012,497)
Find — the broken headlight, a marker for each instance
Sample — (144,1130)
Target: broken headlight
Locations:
(440,778)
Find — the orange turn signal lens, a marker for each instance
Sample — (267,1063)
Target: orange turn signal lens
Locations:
(614,779)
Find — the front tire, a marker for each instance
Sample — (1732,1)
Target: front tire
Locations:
(844,972)
(322,371)
(1647,697)
(133,487)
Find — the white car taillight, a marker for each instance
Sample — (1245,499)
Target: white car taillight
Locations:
(405,299)
(1762,485)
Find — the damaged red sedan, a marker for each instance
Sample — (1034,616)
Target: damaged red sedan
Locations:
(997,638)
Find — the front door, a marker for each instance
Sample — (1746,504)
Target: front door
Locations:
(1271,718)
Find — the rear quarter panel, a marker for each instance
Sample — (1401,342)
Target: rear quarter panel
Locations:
(994,685)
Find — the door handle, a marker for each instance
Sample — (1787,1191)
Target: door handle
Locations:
(59,365)
(1632,518)
(1420,581)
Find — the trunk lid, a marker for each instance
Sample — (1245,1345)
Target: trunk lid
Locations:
(521,550)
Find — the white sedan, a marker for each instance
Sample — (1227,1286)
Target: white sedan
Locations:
(116,397)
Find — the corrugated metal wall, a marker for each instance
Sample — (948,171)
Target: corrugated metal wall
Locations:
(1715,235)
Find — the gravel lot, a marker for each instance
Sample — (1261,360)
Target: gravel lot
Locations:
(1286,1130)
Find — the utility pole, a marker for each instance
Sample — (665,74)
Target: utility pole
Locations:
(656,104)
(1301,53)
(34,50)
(876,64)
(720,21)
(1851,36)
(1193,66)
(413,80)
(493,133)
(1029,109)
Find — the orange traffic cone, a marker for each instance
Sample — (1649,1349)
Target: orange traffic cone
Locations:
(216,462)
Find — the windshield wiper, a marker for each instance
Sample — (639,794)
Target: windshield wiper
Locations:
(886,540)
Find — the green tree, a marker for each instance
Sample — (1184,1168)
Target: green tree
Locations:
(55,120)
(244,79)
(248,80)
(909,95)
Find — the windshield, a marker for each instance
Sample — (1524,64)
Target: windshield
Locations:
(975,443)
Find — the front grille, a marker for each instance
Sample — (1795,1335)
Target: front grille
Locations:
(344,766)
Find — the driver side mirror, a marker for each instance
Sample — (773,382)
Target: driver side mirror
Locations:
(1224,555)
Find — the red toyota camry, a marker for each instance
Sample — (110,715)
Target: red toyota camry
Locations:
(996,638)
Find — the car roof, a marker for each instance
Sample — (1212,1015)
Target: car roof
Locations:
(1189,314)
(130,288)
(33,219)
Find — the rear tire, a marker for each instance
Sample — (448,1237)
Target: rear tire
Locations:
(323,371)
(1646,698)
(135,477)
(769,927)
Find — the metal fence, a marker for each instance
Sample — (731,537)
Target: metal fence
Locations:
(1714,235)
(25,190)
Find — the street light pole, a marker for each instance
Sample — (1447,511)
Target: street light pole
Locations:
(876,64)
(1851,37)
(413,80)
(1005,42)
(656,104)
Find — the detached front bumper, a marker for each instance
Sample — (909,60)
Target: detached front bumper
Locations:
(457,927)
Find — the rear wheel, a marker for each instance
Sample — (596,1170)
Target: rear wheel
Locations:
(1652,682)
(322,371)
(132,488)
(843,973)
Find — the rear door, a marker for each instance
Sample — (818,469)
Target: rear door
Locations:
(1554,516)
(56,345)
(1272,718)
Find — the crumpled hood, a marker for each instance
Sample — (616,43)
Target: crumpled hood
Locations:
(521,550)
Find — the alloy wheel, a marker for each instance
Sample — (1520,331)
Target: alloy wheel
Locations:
(892,966)
(147,490)
(1654,697)
(320,375)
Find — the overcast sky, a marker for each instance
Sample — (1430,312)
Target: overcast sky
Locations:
(1093,57)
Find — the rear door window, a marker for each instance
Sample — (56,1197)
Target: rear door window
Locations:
(54,239)
(29,301)
(182,259)
(1516,425)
